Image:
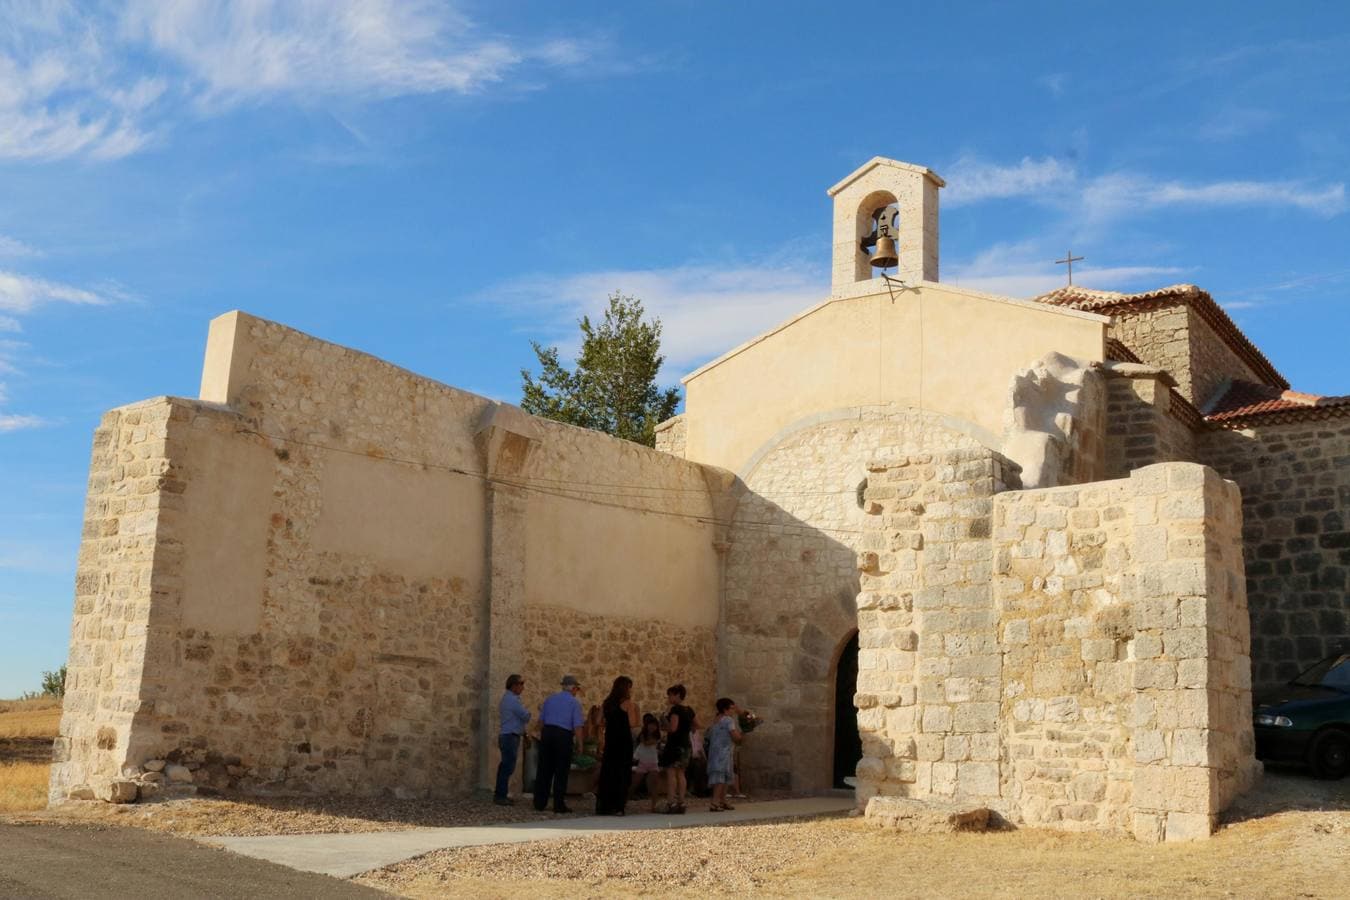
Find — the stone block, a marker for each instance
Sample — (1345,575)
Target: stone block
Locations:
(938,719)
(977,779)
(1148,827)
(1188,826)
(117,790)
(926,816)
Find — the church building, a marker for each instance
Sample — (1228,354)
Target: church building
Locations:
(947,545)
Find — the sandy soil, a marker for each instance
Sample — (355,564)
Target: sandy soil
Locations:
(1290,838)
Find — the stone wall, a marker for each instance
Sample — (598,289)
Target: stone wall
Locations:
(127,486)
(1173,335)
(1213,362)
(670,436)
(319,581)
(791,580)
(929,659)
(1147,422)
(1295,482)
(654,654)
(1073,657)
(1159,334)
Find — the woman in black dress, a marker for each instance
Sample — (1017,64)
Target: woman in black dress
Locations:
(616,764)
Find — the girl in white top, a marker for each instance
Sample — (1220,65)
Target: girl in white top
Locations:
(646,755)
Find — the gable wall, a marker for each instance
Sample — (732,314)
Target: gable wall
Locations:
(931,347)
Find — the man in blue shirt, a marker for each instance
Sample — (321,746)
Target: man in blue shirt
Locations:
(562,722)
(514,717)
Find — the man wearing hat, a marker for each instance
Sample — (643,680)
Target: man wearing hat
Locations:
(514,717)
(562,721)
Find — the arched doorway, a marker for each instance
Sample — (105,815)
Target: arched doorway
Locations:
(847,743)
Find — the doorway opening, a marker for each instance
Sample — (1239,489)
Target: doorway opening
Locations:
(847,742)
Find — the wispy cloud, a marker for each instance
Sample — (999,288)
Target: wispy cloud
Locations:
(1055,83)
(1057,183)
(1110,196)
(1027,269)
(21,295)
(1231,123)
(73,82)
(704,308)
(970,180)
(13,248)
(10,423)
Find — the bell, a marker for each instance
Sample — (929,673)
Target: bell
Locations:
(884,254)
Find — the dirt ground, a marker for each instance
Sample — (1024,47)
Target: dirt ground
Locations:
(1290,838)
(80,861)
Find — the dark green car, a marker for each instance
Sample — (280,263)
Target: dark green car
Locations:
(1308,720)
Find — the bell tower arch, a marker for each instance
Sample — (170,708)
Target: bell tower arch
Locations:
(885,198)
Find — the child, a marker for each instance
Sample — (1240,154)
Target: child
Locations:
(645,756)
(722,737)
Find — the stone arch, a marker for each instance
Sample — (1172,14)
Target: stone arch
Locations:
(791,579)
(862,227)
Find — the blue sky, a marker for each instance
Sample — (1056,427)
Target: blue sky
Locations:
(439,183)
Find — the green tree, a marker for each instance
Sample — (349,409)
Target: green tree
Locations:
(613,387)
(54,683)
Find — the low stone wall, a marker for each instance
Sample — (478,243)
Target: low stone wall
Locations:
(1073,657)
(1295,482)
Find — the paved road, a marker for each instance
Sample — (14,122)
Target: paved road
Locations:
(81,861)
(349,854)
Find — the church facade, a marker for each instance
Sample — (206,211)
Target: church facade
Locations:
(1027,552)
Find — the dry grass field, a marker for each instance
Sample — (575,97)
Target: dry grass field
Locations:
(26,731)
(1297,852)
(1290,837)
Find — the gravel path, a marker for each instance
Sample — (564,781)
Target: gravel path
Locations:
(210,817)
(730,857)
(219,817)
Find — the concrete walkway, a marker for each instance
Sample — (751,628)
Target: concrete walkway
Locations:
(345,855)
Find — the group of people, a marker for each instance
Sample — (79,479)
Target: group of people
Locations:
(633,749)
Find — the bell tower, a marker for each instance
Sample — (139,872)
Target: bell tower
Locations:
(885,215)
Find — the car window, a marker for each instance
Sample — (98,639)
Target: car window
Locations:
(1333,672)
(1338,676)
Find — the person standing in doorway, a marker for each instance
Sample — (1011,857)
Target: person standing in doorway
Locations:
(514,718)
(563,728)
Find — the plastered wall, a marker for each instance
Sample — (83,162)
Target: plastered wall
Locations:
(315,578)
(930,347)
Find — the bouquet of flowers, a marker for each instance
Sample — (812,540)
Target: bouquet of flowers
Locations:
(747,721)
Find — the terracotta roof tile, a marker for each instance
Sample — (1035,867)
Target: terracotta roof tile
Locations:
(1244,402)
(1089,300)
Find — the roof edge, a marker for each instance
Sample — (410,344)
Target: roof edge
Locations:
(884,161)
(867,289)
(1194,296)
